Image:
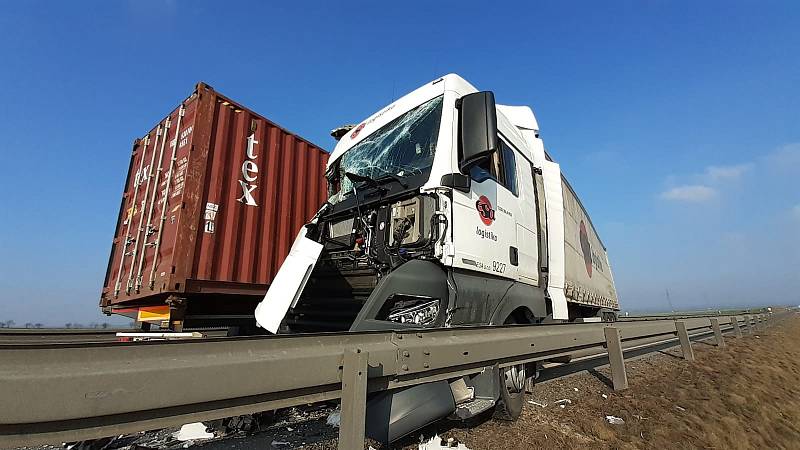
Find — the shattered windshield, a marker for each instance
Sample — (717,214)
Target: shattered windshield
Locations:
(402,148)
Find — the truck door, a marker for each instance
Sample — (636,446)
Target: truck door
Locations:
(485,219)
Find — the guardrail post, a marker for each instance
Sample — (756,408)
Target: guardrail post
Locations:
(354,400)
(747,324)
(616,359)
(686,344)
(736,330)
(719,340)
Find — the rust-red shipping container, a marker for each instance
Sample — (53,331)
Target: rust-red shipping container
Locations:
(214,197)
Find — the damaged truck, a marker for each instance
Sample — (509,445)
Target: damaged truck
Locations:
(443,210)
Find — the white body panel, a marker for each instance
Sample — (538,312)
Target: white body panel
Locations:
(288,283)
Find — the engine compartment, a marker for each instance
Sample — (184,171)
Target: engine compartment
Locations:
(362,245)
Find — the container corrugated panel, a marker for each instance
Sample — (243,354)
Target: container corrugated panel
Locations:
(214,197)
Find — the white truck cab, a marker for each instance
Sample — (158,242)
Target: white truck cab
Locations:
(444,210)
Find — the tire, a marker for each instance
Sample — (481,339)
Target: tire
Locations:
(512,381)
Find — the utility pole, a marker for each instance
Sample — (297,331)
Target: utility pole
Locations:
(672,308)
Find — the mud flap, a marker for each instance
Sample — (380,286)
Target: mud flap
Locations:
(394,414)
(288,283)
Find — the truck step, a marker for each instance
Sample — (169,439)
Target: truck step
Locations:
(473,408)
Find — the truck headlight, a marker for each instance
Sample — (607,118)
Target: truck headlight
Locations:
(417,313)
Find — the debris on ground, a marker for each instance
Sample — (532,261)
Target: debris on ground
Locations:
(680,409)
(563,402)
(541,405)
(334,418)
(436,443)
(279,443)
(192,432)
(614,420)
(605,396)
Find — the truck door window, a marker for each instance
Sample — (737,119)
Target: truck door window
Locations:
(492,168)
(510,168)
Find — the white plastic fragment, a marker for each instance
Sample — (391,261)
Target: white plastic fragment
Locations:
(541,405)
(680,409)
(334,418)
(563,401)
(605,396)
(192,431)
(279,443)
(435,443)
(614,420)
(576,389)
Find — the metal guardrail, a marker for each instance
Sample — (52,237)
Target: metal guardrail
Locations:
(58,393)
(46,336)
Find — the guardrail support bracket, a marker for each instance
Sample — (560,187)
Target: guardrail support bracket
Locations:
(686,344)
(615,358)
(354,400)
(718,339)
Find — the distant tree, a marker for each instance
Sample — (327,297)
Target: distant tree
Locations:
(69,325)
(10,324)
(28,325)
(37,325)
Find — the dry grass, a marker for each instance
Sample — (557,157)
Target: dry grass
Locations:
(742,397)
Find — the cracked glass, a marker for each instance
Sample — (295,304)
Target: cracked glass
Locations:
(402,148)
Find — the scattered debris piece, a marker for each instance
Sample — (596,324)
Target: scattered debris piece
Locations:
(334,418)
(542,405)
(289,429)
(193,431)
(576,389)
(605,396)
(563,401)
(435,443)
(614,420)
(279,443)
(680,409)
(640,417)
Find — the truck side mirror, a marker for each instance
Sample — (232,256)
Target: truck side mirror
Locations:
(477,128)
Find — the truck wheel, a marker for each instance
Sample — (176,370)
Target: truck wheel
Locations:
(512,389)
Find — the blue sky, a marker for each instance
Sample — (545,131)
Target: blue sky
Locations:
(678,123)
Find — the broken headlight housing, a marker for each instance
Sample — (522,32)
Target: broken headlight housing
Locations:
(415,311)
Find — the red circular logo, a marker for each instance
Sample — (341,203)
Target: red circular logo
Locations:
(586,249)
(356,131)
(485,211)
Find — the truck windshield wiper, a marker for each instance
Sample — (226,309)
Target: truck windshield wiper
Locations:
(356,178)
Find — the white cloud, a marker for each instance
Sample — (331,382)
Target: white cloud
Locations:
(786,157)
(689,193)
(719,173)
